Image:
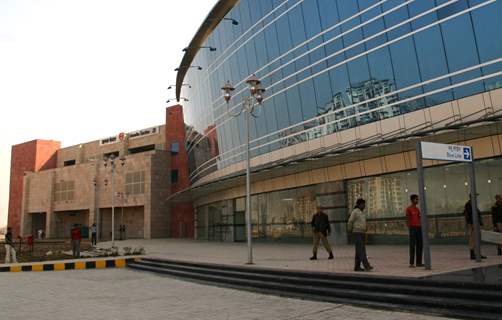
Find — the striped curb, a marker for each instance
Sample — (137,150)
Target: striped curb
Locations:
(74,265)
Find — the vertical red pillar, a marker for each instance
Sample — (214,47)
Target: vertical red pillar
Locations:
(31,156)
(182,214)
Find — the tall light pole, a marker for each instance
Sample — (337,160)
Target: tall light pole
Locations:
(111,161)
(248,104)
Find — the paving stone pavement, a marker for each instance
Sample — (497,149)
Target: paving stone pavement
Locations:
(389,260)
(125,294)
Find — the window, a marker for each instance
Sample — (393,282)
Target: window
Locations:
(174,176)
(175,148)
(64,191)
(135,182)
(69,163)
(141,149)
(109,154)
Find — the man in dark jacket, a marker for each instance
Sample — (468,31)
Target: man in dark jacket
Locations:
(497,218)
(470,227)
(320,230)
(10,251)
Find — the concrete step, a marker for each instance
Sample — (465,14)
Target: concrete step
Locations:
(465,303)
(424,289)
(368,277)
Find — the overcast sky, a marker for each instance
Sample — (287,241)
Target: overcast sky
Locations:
(79,70)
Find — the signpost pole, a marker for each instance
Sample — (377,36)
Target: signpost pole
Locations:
(423,208)
(474,212)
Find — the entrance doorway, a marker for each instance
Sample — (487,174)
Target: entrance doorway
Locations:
(240,226)
(38,221)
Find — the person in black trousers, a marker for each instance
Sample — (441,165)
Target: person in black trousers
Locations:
(320,231)
(470,227)
(497,218)
(415,227)
(357,225)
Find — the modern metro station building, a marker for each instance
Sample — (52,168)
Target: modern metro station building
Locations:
(351,87)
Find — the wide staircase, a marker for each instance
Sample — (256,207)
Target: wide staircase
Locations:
(424,296)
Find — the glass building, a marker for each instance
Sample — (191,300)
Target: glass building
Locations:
(351,85)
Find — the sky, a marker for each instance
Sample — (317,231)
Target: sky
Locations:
(80,70)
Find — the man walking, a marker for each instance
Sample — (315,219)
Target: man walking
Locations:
(357,225)
(10,251)
(94,234)
(497,218)
(76,237)
(320,230)
(413,217)
(470,227)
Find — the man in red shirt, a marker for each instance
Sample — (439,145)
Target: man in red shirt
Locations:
(76,237)
(413,217)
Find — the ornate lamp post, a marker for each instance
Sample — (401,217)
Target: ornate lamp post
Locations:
(111,161)
(248,104)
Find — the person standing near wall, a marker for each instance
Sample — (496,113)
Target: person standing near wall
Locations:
(357,225)
(10,251)
(470,227)
(497,218)
(94,234)
(415,228)
(76,237)
(320,231)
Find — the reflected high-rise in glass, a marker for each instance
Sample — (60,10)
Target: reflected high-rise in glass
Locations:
(331,65)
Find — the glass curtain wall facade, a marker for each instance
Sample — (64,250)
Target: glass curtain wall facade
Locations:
(286,214)
(278,215)
(447,191)
(330,65)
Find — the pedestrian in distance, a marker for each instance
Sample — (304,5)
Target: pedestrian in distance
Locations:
(497,218)
(415,228)
(76,237)
(320,231)
(470,227)
(357,226)
(10,250)
(94,234)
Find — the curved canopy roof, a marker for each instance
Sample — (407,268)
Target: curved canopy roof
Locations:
(214,17)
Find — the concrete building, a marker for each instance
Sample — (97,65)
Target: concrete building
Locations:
(53,188)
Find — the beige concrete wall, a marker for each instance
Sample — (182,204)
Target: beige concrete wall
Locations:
(39,192)
(88,151)
(160,184)
(133,218)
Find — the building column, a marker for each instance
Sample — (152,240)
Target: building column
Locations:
(25,224)
(50,216)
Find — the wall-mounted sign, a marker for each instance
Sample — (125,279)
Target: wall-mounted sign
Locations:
(132,135)
(109,140)
(143,132)
(448,152)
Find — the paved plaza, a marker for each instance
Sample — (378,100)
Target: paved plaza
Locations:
(125,294)
(390,260)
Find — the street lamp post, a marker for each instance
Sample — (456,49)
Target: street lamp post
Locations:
(248,105)
(111,160)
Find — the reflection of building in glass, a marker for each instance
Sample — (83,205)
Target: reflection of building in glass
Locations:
(370,89)
(336,101)
(383,195)
(204,149)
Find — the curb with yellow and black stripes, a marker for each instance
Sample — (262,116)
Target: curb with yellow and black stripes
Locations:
(71,265)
